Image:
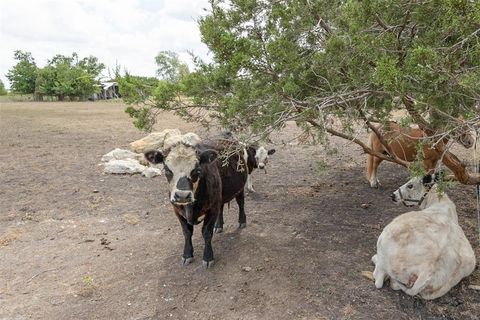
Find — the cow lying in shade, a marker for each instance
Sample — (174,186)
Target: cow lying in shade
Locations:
(198,186)
(423,252)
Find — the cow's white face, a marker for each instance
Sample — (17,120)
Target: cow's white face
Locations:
(413,192)
(183,170)
(261,156)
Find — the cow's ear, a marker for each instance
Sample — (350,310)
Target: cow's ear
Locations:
(271,151)
(208,156)
(154,156)
(427,179)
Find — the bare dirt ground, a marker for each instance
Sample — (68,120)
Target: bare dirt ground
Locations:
(76,244)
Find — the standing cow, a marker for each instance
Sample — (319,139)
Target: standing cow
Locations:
(255,155)
(199,184)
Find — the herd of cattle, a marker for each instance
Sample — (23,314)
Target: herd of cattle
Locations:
(421,252)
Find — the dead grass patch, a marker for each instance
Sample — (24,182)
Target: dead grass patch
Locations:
(7,238)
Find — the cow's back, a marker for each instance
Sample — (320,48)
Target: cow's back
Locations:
(231,165)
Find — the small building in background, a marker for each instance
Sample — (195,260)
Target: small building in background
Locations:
(108,90)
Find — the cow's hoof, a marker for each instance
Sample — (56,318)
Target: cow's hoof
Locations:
(242,225)
(375,184)
(208,264)
(186,261)
(218,229)
(395,285)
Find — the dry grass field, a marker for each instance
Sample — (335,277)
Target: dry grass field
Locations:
(77,244)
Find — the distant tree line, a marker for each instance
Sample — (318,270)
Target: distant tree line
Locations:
(3,91)
(63,76)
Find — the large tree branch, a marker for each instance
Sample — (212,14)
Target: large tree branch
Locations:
(365,148)
(459,169)
(450,160)
(417,117)
(382,140)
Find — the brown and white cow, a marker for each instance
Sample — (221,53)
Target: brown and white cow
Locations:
(198,184)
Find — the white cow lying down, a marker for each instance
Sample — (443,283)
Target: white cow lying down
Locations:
(423,252)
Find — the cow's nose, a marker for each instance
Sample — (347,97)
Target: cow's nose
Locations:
(182,196)
(261,166)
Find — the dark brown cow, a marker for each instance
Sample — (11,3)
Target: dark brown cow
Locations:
(234,172)
(199,183)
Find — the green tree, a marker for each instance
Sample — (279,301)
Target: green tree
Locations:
(90,65)
(136,91)
(349,61)
(22,76)
(68,76)
(170,68)
(3,91)
(141,92)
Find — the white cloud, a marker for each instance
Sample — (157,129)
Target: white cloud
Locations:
(130,32)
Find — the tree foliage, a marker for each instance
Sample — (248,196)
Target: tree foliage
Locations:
(136,91)
(22,76)
(350,61)
(170,68)
(141,93)
(3,91)
(62,76)
(69,76)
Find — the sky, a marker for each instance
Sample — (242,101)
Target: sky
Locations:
(125,32)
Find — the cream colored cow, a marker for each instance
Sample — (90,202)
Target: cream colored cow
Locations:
(423,252)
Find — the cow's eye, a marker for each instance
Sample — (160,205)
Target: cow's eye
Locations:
(410,186)
(194,175)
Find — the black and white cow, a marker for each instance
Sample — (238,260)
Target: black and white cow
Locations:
(198,186)
(257,157)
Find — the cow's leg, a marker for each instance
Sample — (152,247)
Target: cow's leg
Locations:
(369,166)
(419,282)
(379,276)
(207,233)
(187,233)
(219,222)
(249,183)
(375,162)
(242,218)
